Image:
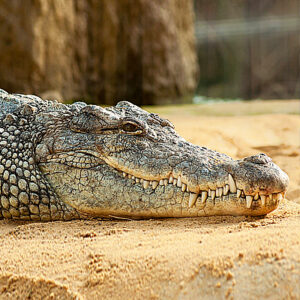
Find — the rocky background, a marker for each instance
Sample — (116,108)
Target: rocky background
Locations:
(99,51)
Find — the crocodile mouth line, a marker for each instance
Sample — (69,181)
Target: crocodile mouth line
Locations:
(88,160)
(202,196)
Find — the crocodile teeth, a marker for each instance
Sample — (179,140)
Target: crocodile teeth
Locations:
(165,182)
(124,174)
(220,191)
(203,197)
(154,184)
(179,183)
(183,187)
(137,180)
(213,195)
(174,181)
(271,196)
(256,196)
(238,193)
(145,184)
(225,189)
(249,201)
(209,192)
(192,200)
(129,176)
(277,197)
(263,200)
(161,182)
(232,185)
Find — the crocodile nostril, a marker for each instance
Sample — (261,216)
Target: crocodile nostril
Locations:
(258,159)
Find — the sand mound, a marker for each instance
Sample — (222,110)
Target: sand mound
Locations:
(23,287)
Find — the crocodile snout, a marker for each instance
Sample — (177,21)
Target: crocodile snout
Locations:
(258,174)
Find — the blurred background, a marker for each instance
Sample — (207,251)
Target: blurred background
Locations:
(248,49)
(151,52)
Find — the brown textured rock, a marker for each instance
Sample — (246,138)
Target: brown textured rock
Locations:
(40,48)
(102,51)
(147,50)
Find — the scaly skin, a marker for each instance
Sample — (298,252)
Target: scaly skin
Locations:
(61,162)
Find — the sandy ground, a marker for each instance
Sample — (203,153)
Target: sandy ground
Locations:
(195,258)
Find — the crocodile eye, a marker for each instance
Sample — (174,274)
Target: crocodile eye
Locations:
(130,127)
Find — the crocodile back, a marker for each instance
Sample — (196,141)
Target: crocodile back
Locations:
(7,105)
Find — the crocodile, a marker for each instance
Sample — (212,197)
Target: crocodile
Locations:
(63,162)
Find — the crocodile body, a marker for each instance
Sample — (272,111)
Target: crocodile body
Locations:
(62,162)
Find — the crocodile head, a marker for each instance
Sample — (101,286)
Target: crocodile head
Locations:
(124,161)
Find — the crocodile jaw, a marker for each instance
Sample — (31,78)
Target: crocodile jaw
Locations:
(110,190)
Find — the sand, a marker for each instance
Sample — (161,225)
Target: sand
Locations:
(193,258)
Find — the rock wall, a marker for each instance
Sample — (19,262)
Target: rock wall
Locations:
(43,46)
(99,51)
